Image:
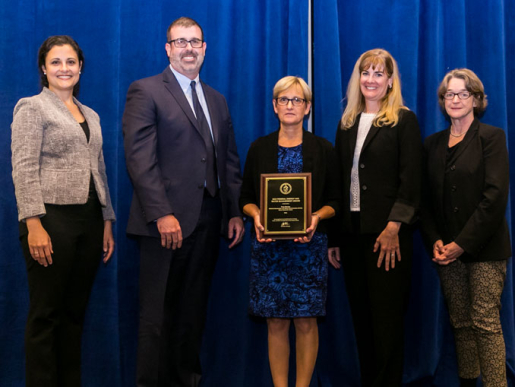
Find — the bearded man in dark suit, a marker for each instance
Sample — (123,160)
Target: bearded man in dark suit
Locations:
(183,163)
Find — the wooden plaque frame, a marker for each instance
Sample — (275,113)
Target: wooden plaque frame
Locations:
(285,204)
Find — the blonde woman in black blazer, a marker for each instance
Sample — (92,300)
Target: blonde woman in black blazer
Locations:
(379,148)
(464,225)
(64,209)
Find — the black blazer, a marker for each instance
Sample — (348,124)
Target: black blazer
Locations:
(390,167)
(318,158)
(164,152)
(479,176)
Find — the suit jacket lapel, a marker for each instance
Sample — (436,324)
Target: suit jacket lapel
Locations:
(354,135)
(474,127)
(371,134)
(171,84)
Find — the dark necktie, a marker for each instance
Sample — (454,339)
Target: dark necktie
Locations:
(211,174)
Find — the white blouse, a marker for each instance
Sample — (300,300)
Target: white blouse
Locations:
(365,124)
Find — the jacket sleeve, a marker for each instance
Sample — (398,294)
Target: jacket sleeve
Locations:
(490,212)
(26,141)
(107,211)
(407,202)
(140,143)
(233,171)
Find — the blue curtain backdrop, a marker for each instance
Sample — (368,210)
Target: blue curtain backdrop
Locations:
(427,38)
(250,45)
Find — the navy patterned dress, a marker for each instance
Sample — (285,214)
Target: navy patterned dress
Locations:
(289,279)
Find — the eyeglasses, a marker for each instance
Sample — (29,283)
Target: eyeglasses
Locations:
(295,101)
(461,95)
(182,43)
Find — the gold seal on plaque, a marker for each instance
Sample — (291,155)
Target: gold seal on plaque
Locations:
(285,188)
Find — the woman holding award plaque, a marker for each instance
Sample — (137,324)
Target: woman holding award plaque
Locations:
(288,277)
(379,150)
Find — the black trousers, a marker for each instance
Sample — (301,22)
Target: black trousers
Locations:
(59,293)
(378,301)
(174,289)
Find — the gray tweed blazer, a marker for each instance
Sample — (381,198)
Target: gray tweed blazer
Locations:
(51,158)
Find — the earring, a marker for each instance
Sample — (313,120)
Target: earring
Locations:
(80,72)
(44,73)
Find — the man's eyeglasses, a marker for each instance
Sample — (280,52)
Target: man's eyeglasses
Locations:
(461,95)
(296,101)
(182,43)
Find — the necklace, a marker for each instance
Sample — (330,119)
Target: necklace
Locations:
(456,135)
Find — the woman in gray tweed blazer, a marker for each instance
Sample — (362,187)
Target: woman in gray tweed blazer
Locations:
(64,209)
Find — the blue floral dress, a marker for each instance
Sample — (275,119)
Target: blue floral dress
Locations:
(289,279)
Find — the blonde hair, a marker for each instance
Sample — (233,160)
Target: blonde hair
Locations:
(289,81)
(391,103)
(472,83)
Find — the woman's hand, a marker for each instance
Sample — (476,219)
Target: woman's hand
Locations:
(448,253)
(253,211)
(108,240)
(438,253)
(40,244)
(315,219)
(438,250)
(258,227)
(333,254)
(388,242)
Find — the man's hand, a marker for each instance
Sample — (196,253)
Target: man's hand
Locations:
(236,230)
(333,254)
(170,230)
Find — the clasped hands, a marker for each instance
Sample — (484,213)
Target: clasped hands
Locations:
(445,254)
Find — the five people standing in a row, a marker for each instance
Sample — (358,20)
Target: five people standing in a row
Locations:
(183,163)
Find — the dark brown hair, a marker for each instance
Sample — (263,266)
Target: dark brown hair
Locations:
(48,44)
(182,22)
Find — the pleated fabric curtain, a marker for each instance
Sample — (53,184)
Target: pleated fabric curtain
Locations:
(427,38)
(250,45)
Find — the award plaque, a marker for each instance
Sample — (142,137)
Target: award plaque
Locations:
(285,204)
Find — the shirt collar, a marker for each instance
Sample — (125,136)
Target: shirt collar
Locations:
(183,80)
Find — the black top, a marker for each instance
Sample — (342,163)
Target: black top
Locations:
(85,127)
